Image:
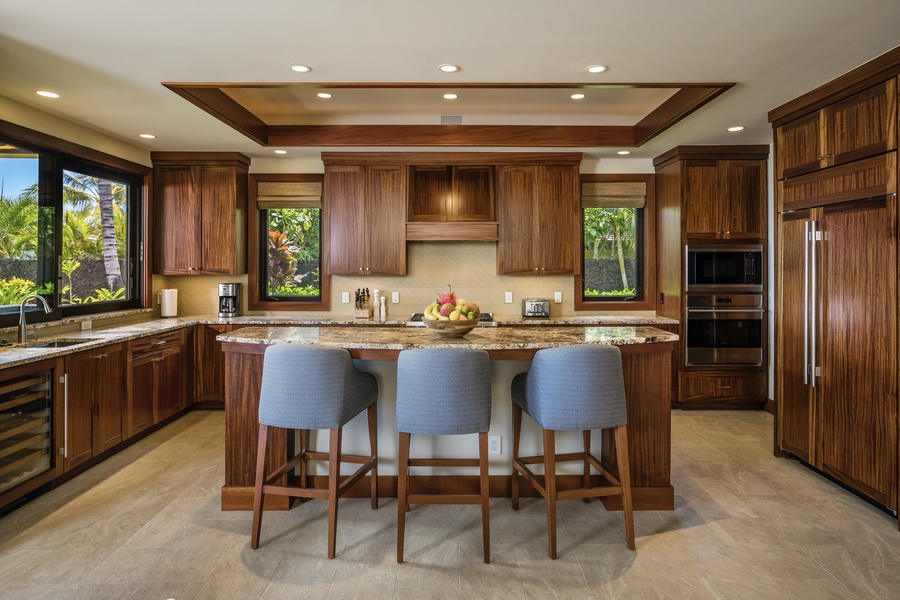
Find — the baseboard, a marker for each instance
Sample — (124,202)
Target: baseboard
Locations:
(770,406)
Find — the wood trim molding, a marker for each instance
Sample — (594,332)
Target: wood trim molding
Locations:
(332,159)
(743,152)
(213,98)
(205,159)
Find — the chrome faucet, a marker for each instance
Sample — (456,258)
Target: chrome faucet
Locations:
(23,331)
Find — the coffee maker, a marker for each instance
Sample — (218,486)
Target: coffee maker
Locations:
(229,300)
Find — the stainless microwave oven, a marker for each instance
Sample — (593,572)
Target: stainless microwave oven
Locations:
(724,268)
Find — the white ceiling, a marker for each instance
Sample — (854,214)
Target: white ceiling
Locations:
(107,58)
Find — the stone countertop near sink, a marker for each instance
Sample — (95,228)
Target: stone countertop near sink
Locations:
(481,338)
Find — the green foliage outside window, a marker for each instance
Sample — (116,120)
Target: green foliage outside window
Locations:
(292,256)
(610,237)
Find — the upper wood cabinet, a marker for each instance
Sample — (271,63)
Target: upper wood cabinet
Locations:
(537,207)
(365,208)
(719,191)
(200,213)
(861,125)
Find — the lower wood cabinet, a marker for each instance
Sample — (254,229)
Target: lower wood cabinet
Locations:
(95,391)
(210,366)
(723,390)
(157,386)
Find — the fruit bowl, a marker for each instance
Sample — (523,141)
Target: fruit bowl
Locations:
(451,329)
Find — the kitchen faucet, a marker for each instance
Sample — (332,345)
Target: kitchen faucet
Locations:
(23,332)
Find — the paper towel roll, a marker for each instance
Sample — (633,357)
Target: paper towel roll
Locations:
(168,303)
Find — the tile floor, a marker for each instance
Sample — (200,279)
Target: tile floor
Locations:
(145,524)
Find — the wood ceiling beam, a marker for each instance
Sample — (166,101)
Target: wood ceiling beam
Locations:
(681,104)
(220,105)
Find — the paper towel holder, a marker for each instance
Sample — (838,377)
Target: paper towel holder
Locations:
(168,303)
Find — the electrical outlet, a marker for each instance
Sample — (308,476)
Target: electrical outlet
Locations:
(345,297)
(395,297)
(557,297)
(494,444)
(508,298)
(86,325)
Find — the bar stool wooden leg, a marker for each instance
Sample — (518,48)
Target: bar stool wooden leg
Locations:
(516,433)
(402,492)
(550,487)
(485,494)
(625,480)
(304,463)
(334,473)
(373,447)
(261,450)
(586,480)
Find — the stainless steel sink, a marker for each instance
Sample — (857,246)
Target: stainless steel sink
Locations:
(58,343)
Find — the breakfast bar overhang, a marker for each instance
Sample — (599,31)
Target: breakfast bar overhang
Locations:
(647,365)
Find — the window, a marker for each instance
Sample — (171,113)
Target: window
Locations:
(70,233)
(618,270)
(285,257)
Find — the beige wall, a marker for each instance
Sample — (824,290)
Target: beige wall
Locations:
(470,267)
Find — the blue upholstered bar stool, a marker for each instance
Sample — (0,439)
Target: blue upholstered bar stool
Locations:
(306,388)
(573,388)
(443,391)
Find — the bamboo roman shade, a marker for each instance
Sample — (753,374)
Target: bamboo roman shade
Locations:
(613,194)
(289,194)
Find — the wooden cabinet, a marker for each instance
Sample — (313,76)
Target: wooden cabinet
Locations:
(538,207)
(365,208)
(721,390)
(858,126)
(453,202)
(200,208)
(210,365)
(836,377)
(94,402)
(724,199)
(157,384)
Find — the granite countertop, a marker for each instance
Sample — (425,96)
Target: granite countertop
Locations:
(480,338)
(390,334)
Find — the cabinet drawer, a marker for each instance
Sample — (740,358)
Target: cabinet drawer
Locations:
(708,388)
(155,343)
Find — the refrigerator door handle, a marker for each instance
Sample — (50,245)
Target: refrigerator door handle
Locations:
(806,236)
(815,236)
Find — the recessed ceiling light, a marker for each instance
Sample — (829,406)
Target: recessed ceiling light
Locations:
(148,136)
(736,128)
(301,68)
(624,152)
(280,151)
(597,68)
(577,96)
(448,68)
(46,94)
(325,95)
(450,96)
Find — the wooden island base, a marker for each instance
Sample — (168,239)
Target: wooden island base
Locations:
(648,382)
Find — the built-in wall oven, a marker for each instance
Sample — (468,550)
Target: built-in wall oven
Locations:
(724,329)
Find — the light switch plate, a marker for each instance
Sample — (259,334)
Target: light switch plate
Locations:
(345,297)
(557,297)
(395,297)
(508,298)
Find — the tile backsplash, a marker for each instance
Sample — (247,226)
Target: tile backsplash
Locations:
(469,267)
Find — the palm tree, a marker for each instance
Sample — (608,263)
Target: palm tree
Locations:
(611,231)
(80,189)
(20,219)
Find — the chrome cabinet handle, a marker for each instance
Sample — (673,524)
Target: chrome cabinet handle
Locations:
(806,243)
(815,236)
(65,449)
(159,343)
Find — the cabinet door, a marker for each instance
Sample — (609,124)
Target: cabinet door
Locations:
(218,196)
(793,393)
(473,193)
(555,227)
(170,382)
(177,217)
(110,397)
(82,379)
(344,193)
(516,199)
(430,194)
(385,209)
(721,390)
(702,200)
(800,146)
(863,125)
(858,337)
(744,193)
(140,411)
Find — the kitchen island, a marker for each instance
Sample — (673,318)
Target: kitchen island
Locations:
(647,365)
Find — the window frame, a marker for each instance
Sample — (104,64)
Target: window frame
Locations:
(256,253)
(56,155)
(648,248)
